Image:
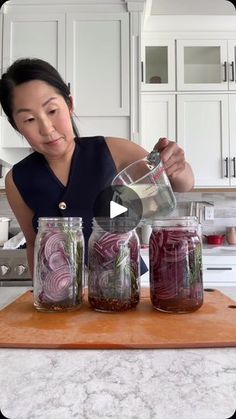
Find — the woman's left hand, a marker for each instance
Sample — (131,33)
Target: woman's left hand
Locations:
(172,157)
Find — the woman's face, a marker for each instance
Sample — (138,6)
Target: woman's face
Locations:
(43,118)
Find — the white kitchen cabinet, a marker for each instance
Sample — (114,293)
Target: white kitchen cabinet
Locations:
(93,47)
(98,63)
(206,131)
(158,64)
(34,34)
(206,64)
(31,34)
(158,118)
(219,271)
(232,136)
(204,119)
(10,137)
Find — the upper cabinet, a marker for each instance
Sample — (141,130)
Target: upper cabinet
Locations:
(47,43)
(189,92)
(94,46)
(207,131)
(201,64)
(158,118)
(34,34)
(98,62)
(206,64)
(158,64)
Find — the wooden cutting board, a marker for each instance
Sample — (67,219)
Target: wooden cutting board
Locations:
(213,325)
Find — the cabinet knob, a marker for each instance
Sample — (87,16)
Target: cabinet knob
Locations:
(20,269)
(4,269)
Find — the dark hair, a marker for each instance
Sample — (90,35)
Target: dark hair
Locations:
(27,69)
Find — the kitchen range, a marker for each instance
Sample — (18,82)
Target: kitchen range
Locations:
(14,270)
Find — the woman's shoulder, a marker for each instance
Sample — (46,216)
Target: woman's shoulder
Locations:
(124,151)
(28,160)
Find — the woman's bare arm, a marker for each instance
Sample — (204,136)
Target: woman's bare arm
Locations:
(180,174)
(23,215)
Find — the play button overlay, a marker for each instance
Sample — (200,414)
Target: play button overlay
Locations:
(118,208)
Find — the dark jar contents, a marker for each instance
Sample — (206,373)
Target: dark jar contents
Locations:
(114,267)
(175,253)
(58,278)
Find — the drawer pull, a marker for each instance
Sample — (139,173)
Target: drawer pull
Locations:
(232,70)
(225,71)
(219,269)
(234,167)
(226,167)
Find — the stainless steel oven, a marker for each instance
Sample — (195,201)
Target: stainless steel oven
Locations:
(14,270)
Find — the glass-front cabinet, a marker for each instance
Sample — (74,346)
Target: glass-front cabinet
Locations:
(158,64)
(206,65)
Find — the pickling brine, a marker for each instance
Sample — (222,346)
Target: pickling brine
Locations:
(175,253)
(58,278)
(114,267)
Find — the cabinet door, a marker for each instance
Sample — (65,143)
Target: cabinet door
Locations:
(158,118)
(36,35)
(10,137)
(98,63)
(202,65)
(232,131)
(202,121)
(158,65)
(232,64)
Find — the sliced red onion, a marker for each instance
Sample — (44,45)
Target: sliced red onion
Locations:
(108,245)
(170,262)
(53,244)
(56,285)
(57,260)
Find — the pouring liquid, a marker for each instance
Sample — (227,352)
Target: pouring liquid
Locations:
(157,200)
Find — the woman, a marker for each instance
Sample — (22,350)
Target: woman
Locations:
(65,173)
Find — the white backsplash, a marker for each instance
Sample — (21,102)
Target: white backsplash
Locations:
(224,209)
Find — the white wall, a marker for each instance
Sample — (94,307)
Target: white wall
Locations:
(185,7)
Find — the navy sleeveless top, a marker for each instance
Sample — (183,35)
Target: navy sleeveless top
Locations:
(92,169)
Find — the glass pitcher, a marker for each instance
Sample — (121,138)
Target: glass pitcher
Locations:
(147,177)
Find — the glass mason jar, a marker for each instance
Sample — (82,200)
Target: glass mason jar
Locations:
(175,253)
(114,266)
(58,278)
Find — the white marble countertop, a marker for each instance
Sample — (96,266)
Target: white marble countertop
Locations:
(119,384)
